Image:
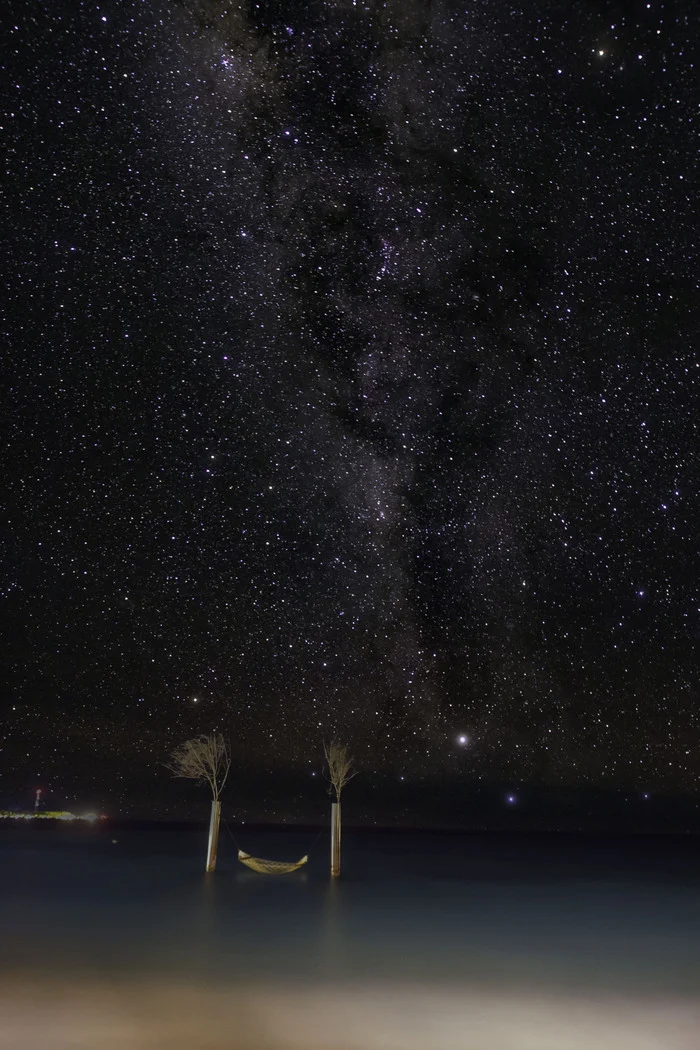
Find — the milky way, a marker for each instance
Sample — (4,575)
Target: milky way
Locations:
(351,387)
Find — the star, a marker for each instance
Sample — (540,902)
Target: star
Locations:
(408,398)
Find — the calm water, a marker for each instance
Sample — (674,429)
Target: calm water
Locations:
(435,941)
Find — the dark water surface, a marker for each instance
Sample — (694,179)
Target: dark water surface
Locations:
(432,940)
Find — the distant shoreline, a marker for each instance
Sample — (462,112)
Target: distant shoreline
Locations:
(49,814)
(171,824)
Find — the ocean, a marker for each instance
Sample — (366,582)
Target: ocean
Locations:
(113,938)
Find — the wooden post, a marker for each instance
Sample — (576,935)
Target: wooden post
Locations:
(335,839)
(213,835)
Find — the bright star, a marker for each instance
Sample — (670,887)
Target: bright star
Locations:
(463,740)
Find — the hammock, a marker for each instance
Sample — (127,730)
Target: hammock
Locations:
(269,867)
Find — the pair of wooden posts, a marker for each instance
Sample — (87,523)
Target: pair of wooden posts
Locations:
(207,759)
(215,820)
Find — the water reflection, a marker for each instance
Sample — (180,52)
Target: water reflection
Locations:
(331,942)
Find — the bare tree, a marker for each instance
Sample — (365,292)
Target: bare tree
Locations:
(339,765)
(339,772)
(207,760)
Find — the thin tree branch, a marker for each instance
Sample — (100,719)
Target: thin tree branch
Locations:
(339,764)
(204,758)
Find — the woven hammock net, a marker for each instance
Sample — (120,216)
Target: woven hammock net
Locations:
(269,867)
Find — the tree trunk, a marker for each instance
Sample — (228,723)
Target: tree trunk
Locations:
(213,835)
(335,839)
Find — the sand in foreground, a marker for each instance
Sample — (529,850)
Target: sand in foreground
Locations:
(46,1014)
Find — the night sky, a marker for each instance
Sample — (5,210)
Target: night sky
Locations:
(350,387)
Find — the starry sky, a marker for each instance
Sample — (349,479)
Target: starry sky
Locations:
(350,388)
